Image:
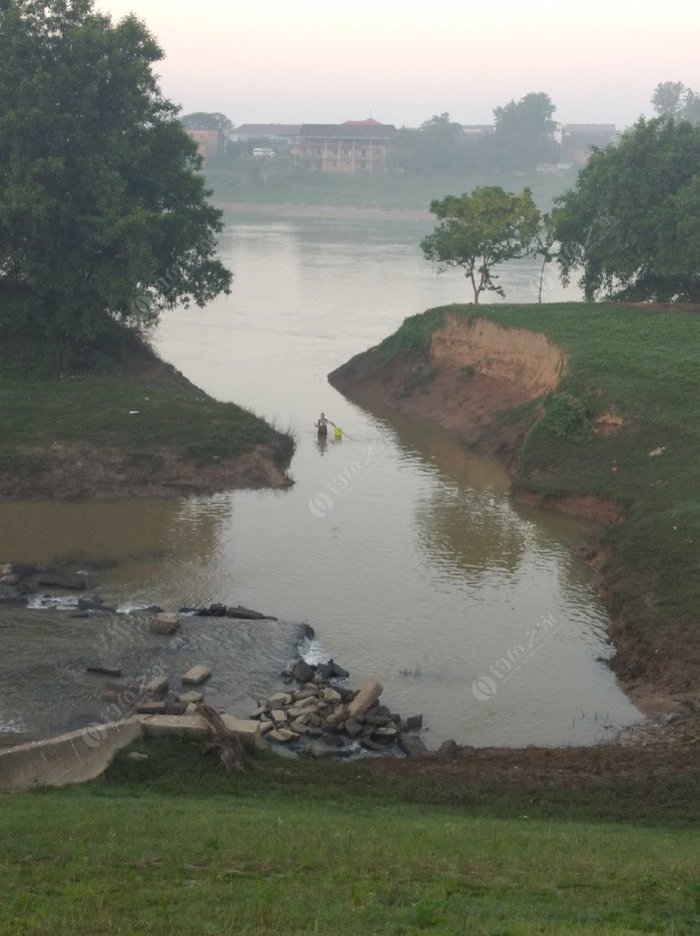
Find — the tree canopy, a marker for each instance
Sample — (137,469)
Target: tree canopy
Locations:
(674,99)
(631,223)
(524,131)
(104,216)
(480,229)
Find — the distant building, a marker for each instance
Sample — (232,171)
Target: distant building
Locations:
(478,131)
(209,142)
(275,134)
(577,140)
(356,146)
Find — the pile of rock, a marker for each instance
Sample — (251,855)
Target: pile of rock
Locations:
(18,582)
(319,715)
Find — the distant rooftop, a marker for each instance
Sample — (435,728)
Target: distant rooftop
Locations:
(265,130)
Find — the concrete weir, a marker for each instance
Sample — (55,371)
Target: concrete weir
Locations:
(85,754)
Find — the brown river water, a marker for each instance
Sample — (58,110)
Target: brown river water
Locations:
(402,550)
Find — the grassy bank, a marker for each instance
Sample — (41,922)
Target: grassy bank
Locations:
(172,845)
(641,365)
(137,415)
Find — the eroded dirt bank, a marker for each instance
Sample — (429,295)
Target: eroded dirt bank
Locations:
(471,373)
(486,383)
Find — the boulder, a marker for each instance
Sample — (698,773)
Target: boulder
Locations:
(365,698)
(247,614)
(331,695)
(412,745)
(281,735)
(157,685)
(151,708)
(57,580)
(353,728)
(103,670)
(198,674)
(165,623)
(190,698)
(449,749)
(279,699)
(279,716)
(414,722)
(302,671)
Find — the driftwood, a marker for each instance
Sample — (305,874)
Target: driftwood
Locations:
(226,743)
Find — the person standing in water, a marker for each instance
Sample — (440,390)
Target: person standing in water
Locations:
(322,426)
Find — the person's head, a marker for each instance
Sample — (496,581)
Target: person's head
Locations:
(323,415)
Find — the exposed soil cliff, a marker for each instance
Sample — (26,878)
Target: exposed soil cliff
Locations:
(470,377)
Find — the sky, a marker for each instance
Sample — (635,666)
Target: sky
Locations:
(400,62)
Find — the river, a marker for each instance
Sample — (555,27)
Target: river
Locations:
(402,550)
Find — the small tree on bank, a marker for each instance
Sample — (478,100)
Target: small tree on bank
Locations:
(478,230)
(104,216)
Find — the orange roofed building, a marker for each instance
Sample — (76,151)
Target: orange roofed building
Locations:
(356,146)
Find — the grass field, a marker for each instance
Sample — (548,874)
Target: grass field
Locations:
(172,845)
(136,407)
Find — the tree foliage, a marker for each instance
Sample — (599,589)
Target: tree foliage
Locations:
(631,223)
(524,131)
(478,230)
(204,120)
(104,216)
(674,99)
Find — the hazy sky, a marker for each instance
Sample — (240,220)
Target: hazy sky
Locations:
(398,61)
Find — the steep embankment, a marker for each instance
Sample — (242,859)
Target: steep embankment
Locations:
(462,376)
(593,409)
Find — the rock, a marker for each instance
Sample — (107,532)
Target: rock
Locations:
(281,736)
(56,580)
(165,623)
(9,579)
(191,709)
(331,695)
(332,740)
(259,712)
(412,745)
(365,699)
(198,674)
(279,699)
(157,685)
(302,672)
(151,708)
(7,569)
(137,755)
(307,631)
(189,698)
(339,715)
(338,671)
(373,746)
(379,721)
(353,728)
(79,614)
(386,733)
(299,728)
(265,727)
(308,692)
(279,716)
(324,671)
(175,708)
(214,610)
(295,711)
(95,604)
(449,749)
(104,670)
(414,722)
(246,614)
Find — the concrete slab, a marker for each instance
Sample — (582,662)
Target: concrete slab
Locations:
(69,758)
(85,754)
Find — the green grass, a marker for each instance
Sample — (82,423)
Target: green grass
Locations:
(172,845)
(136,407)
(644,363)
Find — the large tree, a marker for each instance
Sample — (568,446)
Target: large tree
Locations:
(631,223)
(104,216)
(480,229)
(524,131)
(674,99)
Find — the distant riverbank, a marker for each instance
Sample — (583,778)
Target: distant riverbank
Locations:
(332,212)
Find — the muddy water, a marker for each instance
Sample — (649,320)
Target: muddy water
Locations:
(400,549)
